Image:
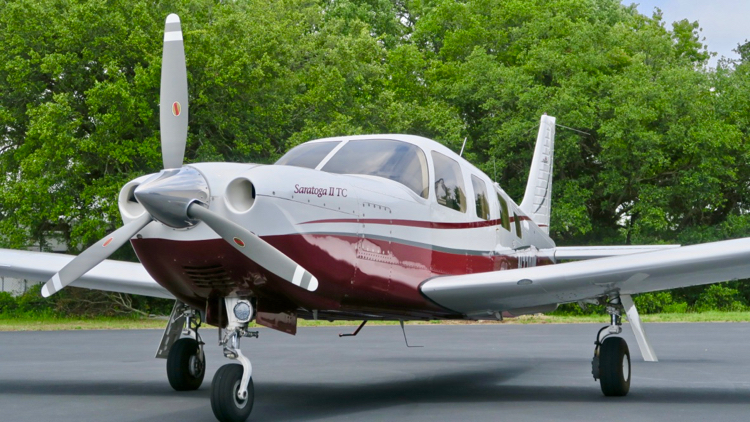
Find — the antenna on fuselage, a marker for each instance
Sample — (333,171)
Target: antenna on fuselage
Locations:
(462,147)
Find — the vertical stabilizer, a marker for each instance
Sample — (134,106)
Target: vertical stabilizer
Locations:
(538,196)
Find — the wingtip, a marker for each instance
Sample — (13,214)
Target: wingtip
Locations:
(173,18)
(45,291)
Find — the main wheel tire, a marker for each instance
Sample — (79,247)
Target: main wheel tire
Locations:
(226,405)
(186,365)
(614,367)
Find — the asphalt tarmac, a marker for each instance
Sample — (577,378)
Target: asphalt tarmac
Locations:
(471,373)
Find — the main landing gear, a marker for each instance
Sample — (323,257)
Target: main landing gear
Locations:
(611,363)
(232,392)
(182,346)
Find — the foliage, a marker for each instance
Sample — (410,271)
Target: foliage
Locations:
(725,297)
(720,298)
(75,302)
(660,155)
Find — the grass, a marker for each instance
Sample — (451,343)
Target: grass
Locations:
(130,323)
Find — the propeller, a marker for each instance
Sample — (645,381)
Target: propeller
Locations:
(178,195)
(173,104)
(173,114)
(92,256)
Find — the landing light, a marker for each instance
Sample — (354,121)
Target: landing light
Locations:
(243,311)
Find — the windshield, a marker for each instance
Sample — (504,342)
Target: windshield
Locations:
(399,161)
(307,155)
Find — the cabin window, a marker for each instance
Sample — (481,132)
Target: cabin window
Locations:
(517,220)
(449,183)
(480,198)
(395,160)
(504,216)
(307,155)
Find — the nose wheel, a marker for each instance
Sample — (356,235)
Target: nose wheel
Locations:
(225,394)
(232,390)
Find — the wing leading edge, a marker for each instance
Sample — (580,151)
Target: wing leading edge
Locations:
(483,294)
(113,276)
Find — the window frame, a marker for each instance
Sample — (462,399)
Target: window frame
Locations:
(519,229)
(504,212)
(462,199)
(477,182)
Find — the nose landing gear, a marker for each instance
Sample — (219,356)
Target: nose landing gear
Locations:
(611,363)
(232,391)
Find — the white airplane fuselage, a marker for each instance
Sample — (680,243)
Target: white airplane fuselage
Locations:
(369,241)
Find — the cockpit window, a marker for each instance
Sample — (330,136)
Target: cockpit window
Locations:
(307,155)
(399,161)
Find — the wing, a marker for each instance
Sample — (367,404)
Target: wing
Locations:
(112,276)
(482,294)
(576,253)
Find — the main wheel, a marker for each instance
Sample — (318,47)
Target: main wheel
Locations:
(614,367)
(226,405)
(186,365)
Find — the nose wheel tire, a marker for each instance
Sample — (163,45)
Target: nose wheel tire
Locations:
(226,405)
(614,367)
(186,365)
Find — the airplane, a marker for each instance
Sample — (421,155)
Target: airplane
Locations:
(368,227)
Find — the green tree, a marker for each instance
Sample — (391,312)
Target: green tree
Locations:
(660,151)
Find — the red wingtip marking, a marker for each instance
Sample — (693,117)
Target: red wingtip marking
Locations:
(107,242)
(176,108)
(239,242)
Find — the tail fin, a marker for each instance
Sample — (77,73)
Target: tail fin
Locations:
(538,196)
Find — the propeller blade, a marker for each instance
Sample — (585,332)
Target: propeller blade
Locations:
(255,248)
(92,256)
(173,107)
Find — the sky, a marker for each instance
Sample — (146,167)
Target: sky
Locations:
(724,22)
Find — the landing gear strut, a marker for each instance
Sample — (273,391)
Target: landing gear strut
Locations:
(611,363)
(182,346)
(232,391)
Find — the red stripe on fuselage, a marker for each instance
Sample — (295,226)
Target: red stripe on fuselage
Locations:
(422,224)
